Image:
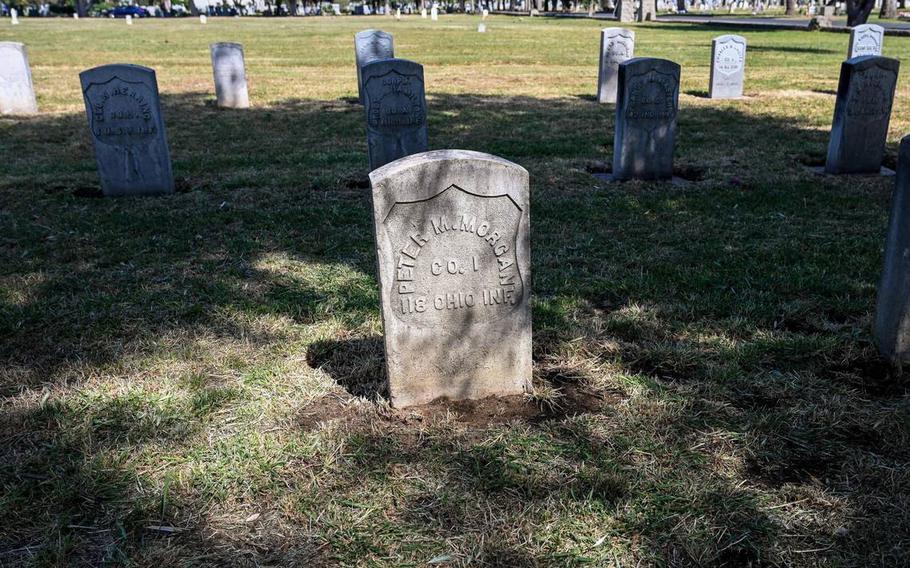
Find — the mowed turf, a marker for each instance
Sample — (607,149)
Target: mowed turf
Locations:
(197,380)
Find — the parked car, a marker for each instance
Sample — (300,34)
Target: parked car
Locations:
(124,11)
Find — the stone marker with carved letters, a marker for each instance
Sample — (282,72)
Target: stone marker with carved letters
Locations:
(892,309)
(865,39)
(646,109)
(865,94)
(625,10)
(453,247)
(17,93)
(616,45)
(370,45)
(124,117)
(396,110)
(230,75)
(728,66)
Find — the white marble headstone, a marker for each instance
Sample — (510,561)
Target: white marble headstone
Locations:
(230,75)
(865,40)
(17,92)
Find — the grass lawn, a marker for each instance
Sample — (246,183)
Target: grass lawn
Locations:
(196,380)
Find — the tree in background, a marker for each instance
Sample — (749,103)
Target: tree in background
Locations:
(889,9)
(858,11)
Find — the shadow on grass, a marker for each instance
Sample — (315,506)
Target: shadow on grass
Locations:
(701,346)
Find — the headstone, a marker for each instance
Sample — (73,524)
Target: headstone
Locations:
(230,75)
(14,17)
(75,16)
(481,27)
(396,110)
(892,309)
(625,11)
(647,10)
(423,13)
(371,45)
(728,67)
(535,12)
(484,14)
(203,19)
(865,94)
(453,248)
(129,20)
(124,117)
(398,13)
(434,13)
(865,40)
(645,134)
(616,45)
(17,92)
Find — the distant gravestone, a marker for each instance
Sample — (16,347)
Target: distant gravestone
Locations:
(14,17)
(865,94)
(892,309)
(484,14)
(423,13)
(396,110)
(646,107)
(616,45)
(75,16)
(728,67)
(481,27)
(865,40)
(625,11)
(17,93)
(129,20)
(230,75)
(203,19)
(434,13)
(647,10)
(124,117)
(398,13)
(452,238)
(371,45)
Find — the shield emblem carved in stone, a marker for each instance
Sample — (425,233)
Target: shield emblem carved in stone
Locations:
(652,100)
(395,102)
(123,113)
(454,260)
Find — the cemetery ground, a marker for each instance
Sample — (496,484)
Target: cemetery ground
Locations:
(197,379)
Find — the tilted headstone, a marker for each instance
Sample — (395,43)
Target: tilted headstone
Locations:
(370,45)
(728,67)
(230,75)
(646,107)
(625,11)
(124,117)
(892,308)
(396,110)
(865,94)
(453,248)
(616,45)
(865,39)
(17,93)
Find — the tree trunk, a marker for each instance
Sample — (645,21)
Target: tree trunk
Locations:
(858,11)
(680,5)
(889,9)
(194,10)
(82,8)
(791,7)
(292,7)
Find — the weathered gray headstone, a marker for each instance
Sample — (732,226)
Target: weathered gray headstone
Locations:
(396,110)
(370,45)
(646,108)
(647,10)
(124,117)
(17,93)
(892,309)
(452,239)
(616,45)
(728,67)
(865,39)
(625,11)
(865,94)
(230,75)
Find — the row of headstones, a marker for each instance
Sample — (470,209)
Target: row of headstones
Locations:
(646,91)
(728,59)
(124,114)
(14,18)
